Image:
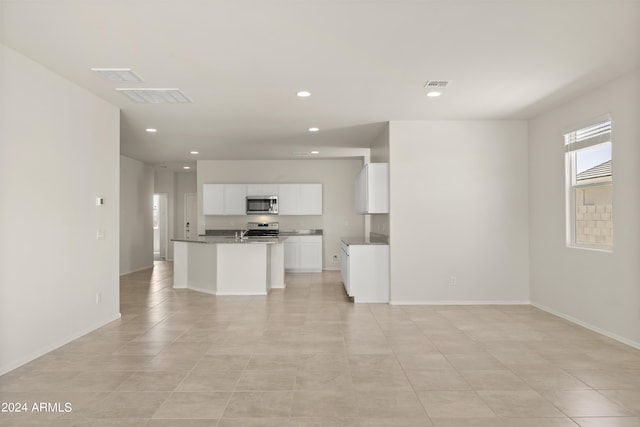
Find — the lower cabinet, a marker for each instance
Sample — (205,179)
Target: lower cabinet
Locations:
(365,272)
(303,253)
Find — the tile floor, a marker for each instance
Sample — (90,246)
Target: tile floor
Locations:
(306,356)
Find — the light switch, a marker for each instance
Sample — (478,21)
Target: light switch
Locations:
(100,234)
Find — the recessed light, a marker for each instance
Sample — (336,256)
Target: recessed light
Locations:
(433,94)
(314,129)
(315,152)
(303,94)
(186,167)
(195,152)
(151,130)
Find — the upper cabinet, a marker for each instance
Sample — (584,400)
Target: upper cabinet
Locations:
(212,199)
(235,199)
(230,199)
(372,189)
(262,189)
(300,199)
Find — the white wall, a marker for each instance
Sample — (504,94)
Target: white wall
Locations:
(597,289)
(337,176)
(458,207)
(59,150)
(136,215)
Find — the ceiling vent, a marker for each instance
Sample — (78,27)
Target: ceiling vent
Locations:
(155,96)
(118,75)
(436,84)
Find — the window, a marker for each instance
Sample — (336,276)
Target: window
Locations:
(589,186)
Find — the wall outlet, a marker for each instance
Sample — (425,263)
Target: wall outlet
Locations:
(100,234)
(453,280)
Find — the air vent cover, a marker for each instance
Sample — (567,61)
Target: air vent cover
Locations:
(118,75)
(155,96)
(433,84)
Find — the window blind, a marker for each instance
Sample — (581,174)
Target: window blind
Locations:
(588,136)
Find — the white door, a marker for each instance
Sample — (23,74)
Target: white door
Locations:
(190,215)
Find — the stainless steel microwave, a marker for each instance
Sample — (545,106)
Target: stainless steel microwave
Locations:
(262,205)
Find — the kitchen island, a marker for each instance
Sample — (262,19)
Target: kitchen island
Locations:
(229,266)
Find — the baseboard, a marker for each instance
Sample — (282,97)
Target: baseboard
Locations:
(589,326)
(461,302)
(210,292)
(136,270)
(57,344)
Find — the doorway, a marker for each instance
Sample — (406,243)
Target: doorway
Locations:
(160,229)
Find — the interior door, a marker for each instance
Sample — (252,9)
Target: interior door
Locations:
(190,215)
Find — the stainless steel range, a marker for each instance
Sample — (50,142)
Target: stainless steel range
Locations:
(263,229)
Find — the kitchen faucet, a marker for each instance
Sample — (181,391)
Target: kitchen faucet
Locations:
(243,234)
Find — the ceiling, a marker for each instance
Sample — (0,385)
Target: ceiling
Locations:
(365,62)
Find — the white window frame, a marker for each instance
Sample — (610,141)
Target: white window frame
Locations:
(572,146)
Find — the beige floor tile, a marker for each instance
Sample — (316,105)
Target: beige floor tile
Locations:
(585,403)
(199,380)
(608,422)
(338,404)
(271,380)
(329,363)
(253,422)
(446,379)
(519,403)
(423,361)
(454,404)
(396,422)
(381,404)
(182,423)
(199,405)
(474,361)
(152,381)
(609,379)
(128,404)
(494,380)
(503,422)
(256,404)
(324,380)
(629,399)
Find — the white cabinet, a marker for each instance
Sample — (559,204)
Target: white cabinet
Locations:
(235,199)
(303,253)
(212,199)
(372,189)
(300,199)
(224,199)
(231,199)
(262,189)
(288,199)
(365,272)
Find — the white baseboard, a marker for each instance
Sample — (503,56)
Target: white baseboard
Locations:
(57,344)
(461,302)
(589,326)
(210,292)
(136,270)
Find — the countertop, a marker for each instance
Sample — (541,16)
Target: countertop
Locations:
(372,240)
(317,232)
(228,240)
